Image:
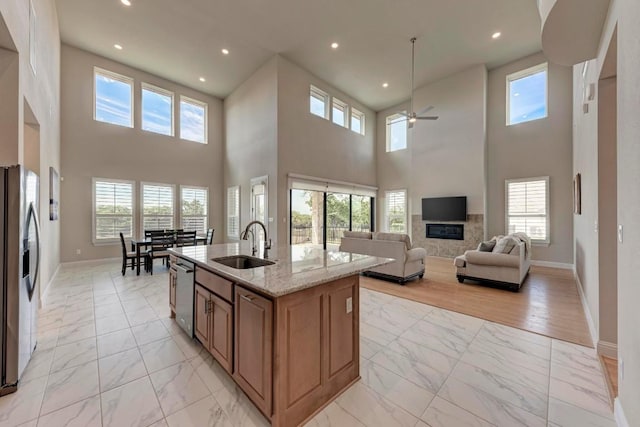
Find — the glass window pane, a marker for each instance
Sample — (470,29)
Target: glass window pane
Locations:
(157,112)
(317,105)
(193,121)
(307,217)
(337,218)
(528,98)
(113,101)
(356,124)
(396,133)
(360,213)
(338,115)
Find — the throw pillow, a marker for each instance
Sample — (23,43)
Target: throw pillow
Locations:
(504,245)
(487,246)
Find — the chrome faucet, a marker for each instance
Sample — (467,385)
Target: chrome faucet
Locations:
(267,242)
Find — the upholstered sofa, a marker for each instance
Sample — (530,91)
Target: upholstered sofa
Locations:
(494,265)
(409,261)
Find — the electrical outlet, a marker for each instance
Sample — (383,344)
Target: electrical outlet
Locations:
(595,227)
(349,305)
(78,251)
(620,234)
(621,369)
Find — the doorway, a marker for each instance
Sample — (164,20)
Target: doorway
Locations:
(259,201)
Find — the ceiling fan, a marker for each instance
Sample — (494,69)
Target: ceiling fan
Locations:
(412,117)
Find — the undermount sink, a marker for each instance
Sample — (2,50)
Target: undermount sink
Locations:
(242,262)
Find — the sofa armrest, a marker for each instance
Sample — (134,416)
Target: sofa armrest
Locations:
(416,254)
(490,258)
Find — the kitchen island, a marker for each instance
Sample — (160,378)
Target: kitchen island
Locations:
(286,332)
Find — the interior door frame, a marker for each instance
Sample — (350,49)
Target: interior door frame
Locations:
(260,180)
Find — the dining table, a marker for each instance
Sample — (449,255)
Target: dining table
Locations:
(145,242)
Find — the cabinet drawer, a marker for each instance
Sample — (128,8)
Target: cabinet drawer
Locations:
(218,285)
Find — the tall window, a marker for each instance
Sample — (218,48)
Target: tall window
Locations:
(157,206)
(396,132)
(339,112)
(318,102)
(527,95)
(193,120)
(157,110)
(357,121)
(112,209)
(396,211)
(194,208)
(527,205)
(113,98)
(233,212)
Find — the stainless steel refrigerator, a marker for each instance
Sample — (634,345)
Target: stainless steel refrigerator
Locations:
(19,265)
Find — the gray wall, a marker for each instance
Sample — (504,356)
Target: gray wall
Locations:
(316,147)
(41,91)
(94,149)
(443,157)
(250,116)
(537,148)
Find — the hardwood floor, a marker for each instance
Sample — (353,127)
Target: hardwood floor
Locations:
(548,302)
(610,369)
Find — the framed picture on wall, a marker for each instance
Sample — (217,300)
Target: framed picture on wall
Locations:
(577,195)
(54,194)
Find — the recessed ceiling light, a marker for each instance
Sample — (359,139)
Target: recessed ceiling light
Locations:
(202,79)
(125,2)
(385,85)
(334,45)
(496,35)
(225,51)
(117,46)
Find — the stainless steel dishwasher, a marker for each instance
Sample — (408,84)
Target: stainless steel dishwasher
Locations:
(184,295)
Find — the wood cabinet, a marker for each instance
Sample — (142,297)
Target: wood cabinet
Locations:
(213,325)
(254,347)
(173,280)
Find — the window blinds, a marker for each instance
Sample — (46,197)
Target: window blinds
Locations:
(113,209)
(233,212)
(527,206)
(396,212)
(157,207)
(194,208)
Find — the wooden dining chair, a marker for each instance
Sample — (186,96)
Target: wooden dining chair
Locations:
(210,236)
(160,245)
(185,238)
(127,256)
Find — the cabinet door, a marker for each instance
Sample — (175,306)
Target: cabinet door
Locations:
(201,316)
(221,332)
(254,347)
(173,278)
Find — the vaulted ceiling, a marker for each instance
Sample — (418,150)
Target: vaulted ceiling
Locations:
(181,40)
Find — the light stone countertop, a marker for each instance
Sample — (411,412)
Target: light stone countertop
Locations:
(296,267)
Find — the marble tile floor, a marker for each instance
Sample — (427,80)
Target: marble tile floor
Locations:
(108,355)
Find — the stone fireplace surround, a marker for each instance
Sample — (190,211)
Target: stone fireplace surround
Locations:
(473,235)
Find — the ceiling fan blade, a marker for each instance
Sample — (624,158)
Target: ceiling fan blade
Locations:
(425,110)
(427,118)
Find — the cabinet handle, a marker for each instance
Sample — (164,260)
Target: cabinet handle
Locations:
(246,297)
(209,307)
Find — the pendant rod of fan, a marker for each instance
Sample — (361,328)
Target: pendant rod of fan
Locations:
(413,70)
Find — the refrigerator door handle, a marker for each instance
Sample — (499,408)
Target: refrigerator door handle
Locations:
(33,215)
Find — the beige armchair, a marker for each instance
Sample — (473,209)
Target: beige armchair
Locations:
(409,261)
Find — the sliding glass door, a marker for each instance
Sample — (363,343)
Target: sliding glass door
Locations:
(361,213)
(307,217)
(338,218)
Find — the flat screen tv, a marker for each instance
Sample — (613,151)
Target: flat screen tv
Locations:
(444,209)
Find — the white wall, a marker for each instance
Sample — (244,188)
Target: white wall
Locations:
(532,149)
(95,149)
(443,157)
(41,90)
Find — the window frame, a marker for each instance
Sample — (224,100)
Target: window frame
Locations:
(361,117)
(173,200)
(182,216)
(387,227)
(388,120)
(337,104)
(518,75)
(121,78)
(547,215)
(160,91)
(319,93)
(94,215)
(236,189)
(188,100)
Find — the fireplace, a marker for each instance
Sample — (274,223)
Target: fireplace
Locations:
(445,231)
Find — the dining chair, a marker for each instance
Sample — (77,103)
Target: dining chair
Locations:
(160,245)
(210,236)
(150,233)
(127,256)
(185,238)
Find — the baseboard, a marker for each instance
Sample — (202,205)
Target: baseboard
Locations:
(551,264)
(618,412)
(607,349)
(592,327)
(43,298)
